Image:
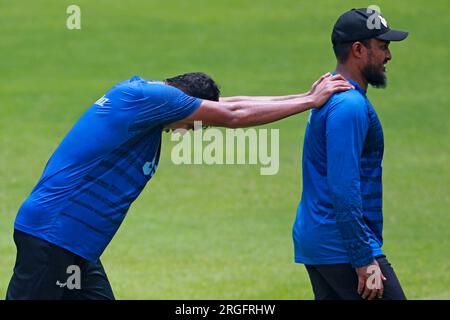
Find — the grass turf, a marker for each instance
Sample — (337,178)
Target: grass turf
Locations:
(224,232)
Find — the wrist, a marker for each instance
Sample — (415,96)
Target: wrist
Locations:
(309,101)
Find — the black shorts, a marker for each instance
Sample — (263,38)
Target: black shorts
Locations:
(340,281)
(44,271)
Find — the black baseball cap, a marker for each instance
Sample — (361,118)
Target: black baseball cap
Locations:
(362,24)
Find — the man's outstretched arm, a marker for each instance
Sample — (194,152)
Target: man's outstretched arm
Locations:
(274,98)
(262,98)
(251,113)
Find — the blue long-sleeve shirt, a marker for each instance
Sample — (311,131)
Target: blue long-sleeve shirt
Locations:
(339,218)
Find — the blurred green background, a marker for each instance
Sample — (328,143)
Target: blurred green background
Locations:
(224,232)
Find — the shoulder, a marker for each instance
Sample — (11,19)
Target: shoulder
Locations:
(160,89)
(137,84)
(350,97)
(129,88)
(350,102)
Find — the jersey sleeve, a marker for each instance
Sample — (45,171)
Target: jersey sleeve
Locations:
(162,104)
(346,130)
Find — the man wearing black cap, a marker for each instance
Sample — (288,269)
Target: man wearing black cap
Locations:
(338,228)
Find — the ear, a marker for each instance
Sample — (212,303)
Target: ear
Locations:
(358,50)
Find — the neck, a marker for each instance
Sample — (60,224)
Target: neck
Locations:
(352,73)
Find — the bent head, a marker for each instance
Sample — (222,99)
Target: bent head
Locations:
(195,84)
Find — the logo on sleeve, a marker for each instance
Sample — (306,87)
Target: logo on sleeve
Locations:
(102,101)
(149,168)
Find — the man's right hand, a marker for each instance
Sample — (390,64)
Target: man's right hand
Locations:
(327,85)
(370,281)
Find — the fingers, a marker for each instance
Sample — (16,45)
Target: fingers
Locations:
(342,83)
(314,85)
(326,75)
(337,77)
(338,83)
(341,88)
(330,78)
(327,80)
(373,294)
(380,292)
(376,292)
(360,285)
(327,85)
(366,292)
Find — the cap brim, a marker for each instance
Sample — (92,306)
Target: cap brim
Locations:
(393,35)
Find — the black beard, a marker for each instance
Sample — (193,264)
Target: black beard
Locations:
(374,76)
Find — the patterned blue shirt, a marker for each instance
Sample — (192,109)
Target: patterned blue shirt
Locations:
(102,165)
(339,218)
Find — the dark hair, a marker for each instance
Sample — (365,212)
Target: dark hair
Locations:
(342,50)
(196,84)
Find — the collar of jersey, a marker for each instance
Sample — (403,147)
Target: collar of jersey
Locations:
(355,84)
(357,87)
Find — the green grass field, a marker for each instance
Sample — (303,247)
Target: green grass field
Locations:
(224,232)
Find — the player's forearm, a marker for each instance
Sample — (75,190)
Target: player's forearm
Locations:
(350,224)
(253,113)
(345,189)
(262,98)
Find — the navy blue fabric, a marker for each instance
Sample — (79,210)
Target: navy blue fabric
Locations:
(40,273)
(340,281)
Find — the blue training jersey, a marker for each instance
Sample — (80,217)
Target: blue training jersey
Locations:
(339,218)
(101,166)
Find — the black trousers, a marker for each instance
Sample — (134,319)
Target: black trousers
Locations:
(44,271)
(340,281)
